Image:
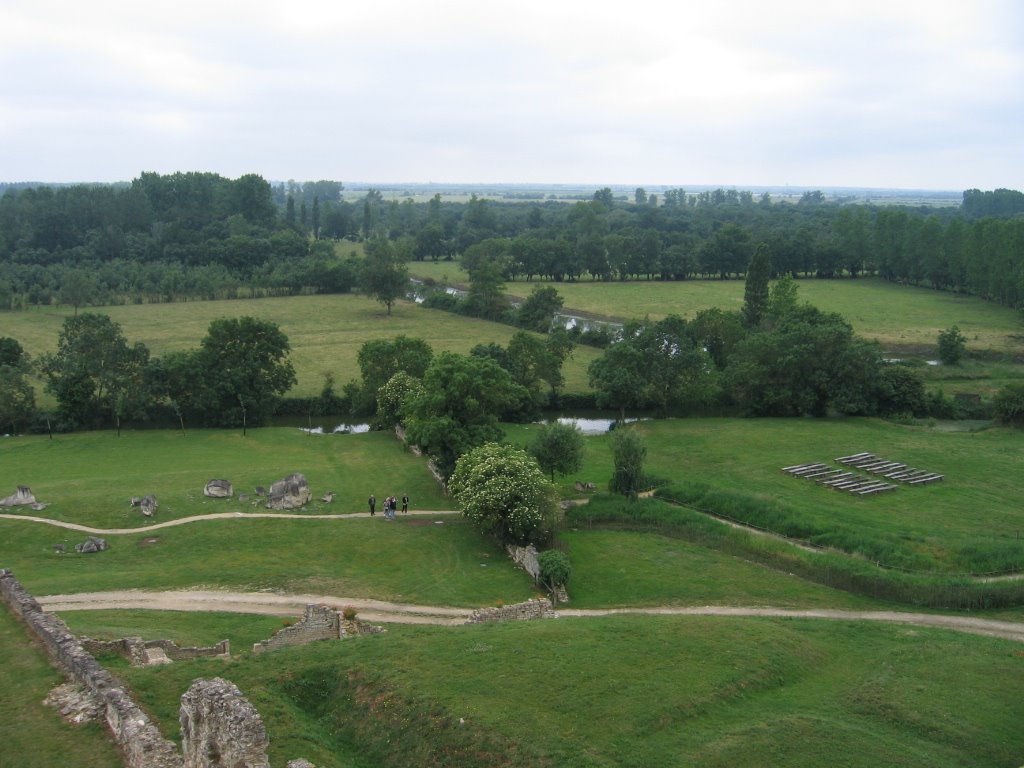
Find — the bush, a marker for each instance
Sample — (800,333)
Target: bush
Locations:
(1008,405)
(952,345)
(555,568)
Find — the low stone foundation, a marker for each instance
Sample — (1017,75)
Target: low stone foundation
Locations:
(139,652)
(531,609)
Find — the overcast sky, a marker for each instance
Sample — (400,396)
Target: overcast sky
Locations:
(877,93)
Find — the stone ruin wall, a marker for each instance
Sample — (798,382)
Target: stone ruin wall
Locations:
(141,743)
(527,611)
(220,727)
(318,623)
(134,649)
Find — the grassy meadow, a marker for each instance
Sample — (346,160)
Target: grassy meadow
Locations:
(624,691)
(616,691)
(901,318)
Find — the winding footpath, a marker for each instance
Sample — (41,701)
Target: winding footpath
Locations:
(403,613)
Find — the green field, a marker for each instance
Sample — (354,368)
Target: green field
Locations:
(325,332)
(624,691)
(903,319)
(597,692)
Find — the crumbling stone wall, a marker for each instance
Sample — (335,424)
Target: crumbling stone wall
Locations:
(134,649)
(139,739)
(318,623)
(220,728)
(531,609)
(525,558)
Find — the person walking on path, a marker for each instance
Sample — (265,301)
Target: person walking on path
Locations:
(405,504)
(373,504)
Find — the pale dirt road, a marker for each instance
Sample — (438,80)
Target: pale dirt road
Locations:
(213,516)
(403,613)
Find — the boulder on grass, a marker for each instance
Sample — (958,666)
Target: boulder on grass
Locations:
(290,493)
(218,489)
(21,497)
(148,505)
(92,544)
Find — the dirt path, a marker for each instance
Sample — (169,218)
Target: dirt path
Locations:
(213,516)
(403,613)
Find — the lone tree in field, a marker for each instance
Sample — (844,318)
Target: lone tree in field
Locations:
(558,448)
(952,346)
(628,454)
(755,291)
(503,491)
(384,275)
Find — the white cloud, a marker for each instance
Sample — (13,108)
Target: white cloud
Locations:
(563,90)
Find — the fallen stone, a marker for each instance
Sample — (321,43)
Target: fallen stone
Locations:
(92,544)
(149,505)
(300,763)
(328,497)
(77,705)
(38,506)
(218,489)
(290,493)
(260,490)
(21,497)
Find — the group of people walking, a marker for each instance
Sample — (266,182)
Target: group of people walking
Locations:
(390,506)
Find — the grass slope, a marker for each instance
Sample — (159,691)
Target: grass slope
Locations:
(624,691)
(33,735)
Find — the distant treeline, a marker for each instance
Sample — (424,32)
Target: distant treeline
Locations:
(199,235)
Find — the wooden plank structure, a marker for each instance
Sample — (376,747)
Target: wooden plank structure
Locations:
(891,470)
(839,479)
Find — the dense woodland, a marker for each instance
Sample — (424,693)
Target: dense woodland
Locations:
(196,235)
(199,235)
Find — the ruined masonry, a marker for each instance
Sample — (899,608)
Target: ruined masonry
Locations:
(318,623)
(221,728)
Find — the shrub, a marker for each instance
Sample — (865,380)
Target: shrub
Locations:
(555,568)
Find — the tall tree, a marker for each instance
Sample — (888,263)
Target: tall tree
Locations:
(94,374)
(755,291)
(558,448)
(459,407)
(384,275)
(244,367)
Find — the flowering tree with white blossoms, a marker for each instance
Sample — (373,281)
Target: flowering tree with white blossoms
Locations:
(504,492)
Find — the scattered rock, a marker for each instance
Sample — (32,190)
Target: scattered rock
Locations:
(243,497)
(300,763)
(21,497)
(60,549)
(218,489)
(581,486)
(328,497)
(134,501)
(149,505)
(38,506)
(76,704)
(260,491)
(92,544)
(290,493)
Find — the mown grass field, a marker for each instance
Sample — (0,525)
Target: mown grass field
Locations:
(624,691)
(901,318)
(325,332)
